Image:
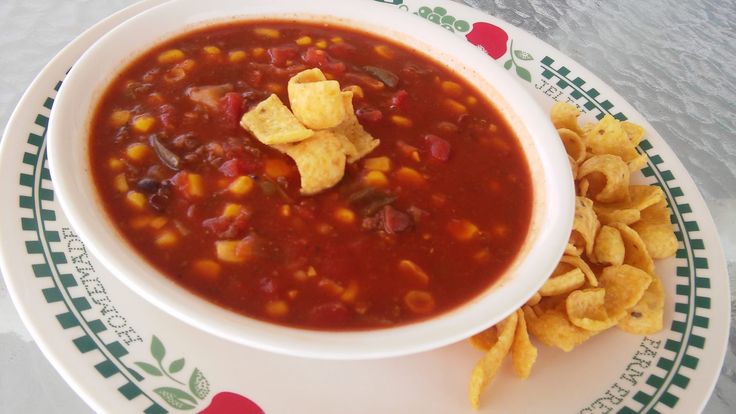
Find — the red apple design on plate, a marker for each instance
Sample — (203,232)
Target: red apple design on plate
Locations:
(231,403)
(491,38)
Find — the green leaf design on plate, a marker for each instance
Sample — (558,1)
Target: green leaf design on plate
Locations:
(198,384)
(176,398)
(176,366)
(522,55)
(150,369)
(157,349)
(523,73)
(462,26)
(508,64)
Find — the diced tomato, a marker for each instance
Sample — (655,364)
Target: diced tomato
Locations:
(329,314)
(237,167)
(394,220)
(228,227)
(181,181)
(369,114)
(254,78)
(168,116)
(315,57)
(282,54)
(438,147)
(319,58)
(232,107)
(342,50)
(398,100)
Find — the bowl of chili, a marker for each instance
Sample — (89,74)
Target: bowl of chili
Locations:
(440,230)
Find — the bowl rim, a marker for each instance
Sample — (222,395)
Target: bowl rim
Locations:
(69,176)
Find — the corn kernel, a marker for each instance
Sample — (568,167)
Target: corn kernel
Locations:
(138,223)
(258,52)
(413,270)
(121,183)
(401,121)
(482,256)
(304,40)
(171,56)
(454,106)
(207,268)
(143,123)
(167,238)
(276,167)
(196,186)
(187,65)
(383,51)
(375,179)
(211,50)
(311,271)
(232,251)
(462,230)
(241,186)
(345,215)
(237,56)
(119,118)
(300,275)
(451,88)
(419,301)
(158,222)
(286,210)
(330,286)
(322,44)
(156,99)
(115,164)
(382,164)
(274,87)
(277,308)
(267,32)
(411,176)
(136,199)
(356,90)
(292,294)
(137,151)
(337,39)
(471,100)
(324,228)
(350,293)
(232,210)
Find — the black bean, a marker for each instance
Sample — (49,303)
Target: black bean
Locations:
(158,202)
(148,185)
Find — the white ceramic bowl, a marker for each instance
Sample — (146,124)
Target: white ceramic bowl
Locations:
(553,190)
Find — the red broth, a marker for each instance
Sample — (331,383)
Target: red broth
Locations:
(428,220)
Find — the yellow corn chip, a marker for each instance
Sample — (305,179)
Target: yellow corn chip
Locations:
(628,211)
(553,328)
(315,101)
(320,160)
(609,246)
(577,262)
(614,185)
(625,285)
(487,367)
(485,340)
(636,253)
(523,353)
(565,115)
(350,127)
(655,229)
(271,122)
(586,309)
(646,316)
(573,143)
(562,284)
(609,137)
(585,225)
(634,132)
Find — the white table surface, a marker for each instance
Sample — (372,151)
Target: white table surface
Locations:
(672,60)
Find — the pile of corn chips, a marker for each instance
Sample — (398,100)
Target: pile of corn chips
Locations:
(606,277)
(320,132)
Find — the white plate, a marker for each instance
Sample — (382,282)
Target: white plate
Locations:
(96,332)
